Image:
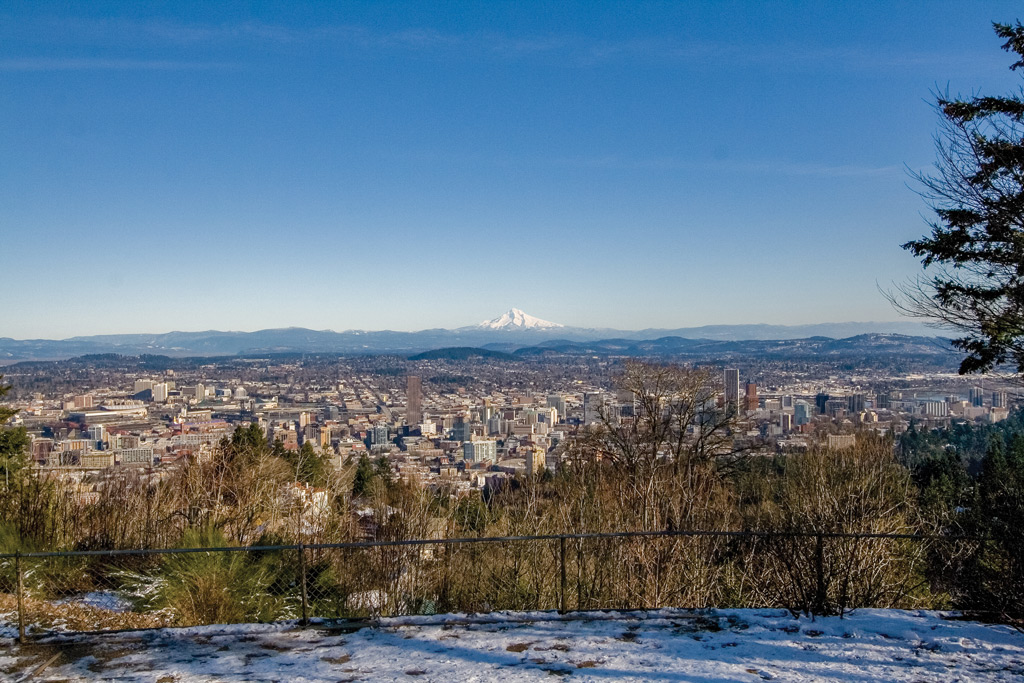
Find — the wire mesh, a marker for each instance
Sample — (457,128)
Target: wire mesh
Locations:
(814,573)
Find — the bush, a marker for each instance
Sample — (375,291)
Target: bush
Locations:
(862,490)
(218,586)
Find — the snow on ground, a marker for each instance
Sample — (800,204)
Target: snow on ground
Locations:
(663,645)
(112,602)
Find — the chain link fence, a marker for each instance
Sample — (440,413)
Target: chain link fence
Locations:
(804,572)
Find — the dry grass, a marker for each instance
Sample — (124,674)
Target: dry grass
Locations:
(75,617)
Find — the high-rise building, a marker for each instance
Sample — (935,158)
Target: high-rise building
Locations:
(837,407)
(379,434)
(311,433)
(462,428)
(495,425)
(998,399)
(977,396)
(414,399)
(480,451)
(821,402)
(627,402)
(802,412)
(855,403)
(751,397)
(535,460)
(732,387)
(558,403)
(593,407)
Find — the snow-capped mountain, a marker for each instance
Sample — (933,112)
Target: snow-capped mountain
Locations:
(515,319)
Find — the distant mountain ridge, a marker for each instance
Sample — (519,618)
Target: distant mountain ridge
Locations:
(865,345)
(868,351)
(506,333)
(872,344)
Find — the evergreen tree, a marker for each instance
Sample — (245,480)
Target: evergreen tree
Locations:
(382,468)
(994,576)
(974,256)
(310,466)
(14,443)
(365,474)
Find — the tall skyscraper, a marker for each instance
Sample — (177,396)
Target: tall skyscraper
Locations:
(558,403)
(732,387)
(593,408)
(977,396)
(378,434)
(462,428)
(752,402)
(414,396)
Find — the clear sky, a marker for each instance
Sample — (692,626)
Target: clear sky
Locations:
(188,166)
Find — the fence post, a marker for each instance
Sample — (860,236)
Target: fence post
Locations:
(302,583)
(561,553)
(820,596)
(21,597)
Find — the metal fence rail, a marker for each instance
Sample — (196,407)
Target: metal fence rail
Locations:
(820,572)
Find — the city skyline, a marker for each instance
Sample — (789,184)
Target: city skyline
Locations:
(406,167)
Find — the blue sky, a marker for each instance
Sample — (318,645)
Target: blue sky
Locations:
(176,166)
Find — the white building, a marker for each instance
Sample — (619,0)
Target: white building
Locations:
(480,451)
(134,456)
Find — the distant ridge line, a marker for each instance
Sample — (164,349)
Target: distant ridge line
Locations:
(456,345)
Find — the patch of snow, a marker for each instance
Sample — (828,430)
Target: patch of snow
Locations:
(668,645)
(112,602)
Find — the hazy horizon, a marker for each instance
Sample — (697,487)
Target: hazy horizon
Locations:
(408,166)
(551,331)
